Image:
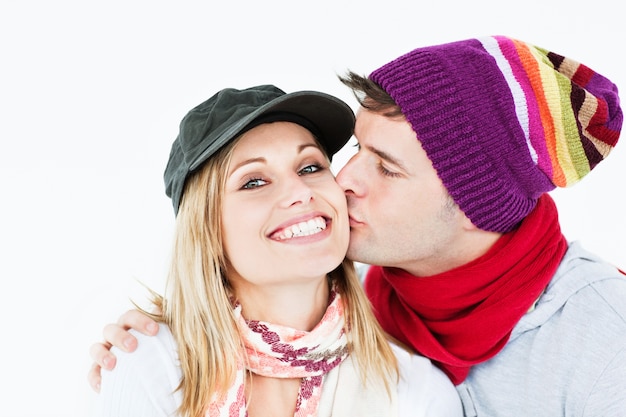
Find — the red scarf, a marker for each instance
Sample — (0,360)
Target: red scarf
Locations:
(465,316)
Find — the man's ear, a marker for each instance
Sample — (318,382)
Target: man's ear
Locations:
(479,238)
(466,223)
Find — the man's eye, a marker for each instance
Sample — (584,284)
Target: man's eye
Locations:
(253,183)
(386,172)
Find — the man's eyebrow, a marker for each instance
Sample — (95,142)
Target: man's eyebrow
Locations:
(387,157)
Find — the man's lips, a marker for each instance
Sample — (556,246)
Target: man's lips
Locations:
(354,222)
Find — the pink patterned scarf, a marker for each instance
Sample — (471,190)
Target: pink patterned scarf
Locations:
(282,352)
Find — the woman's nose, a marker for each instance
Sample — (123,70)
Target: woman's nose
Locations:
(297,191)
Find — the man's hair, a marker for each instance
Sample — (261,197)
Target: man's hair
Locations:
(370,95)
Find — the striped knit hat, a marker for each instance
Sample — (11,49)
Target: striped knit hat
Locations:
(503,121)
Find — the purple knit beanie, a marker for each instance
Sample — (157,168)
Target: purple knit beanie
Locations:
(503,121)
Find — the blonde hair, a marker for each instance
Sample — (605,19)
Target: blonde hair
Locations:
(198,309)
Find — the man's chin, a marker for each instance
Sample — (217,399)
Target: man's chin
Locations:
(356,253)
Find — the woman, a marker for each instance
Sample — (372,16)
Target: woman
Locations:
(263,315)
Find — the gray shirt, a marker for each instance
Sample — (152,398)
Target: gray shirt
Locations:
(566,357)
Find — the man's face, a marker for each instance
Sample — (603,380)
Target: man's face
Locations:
(400,213)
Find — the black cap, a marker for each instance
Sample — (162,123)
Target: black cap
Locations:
(223,117)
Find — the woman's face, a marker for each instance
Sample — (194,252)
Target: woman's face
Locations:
(284,217)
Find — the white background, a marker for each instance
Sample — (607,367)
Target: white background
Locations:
(91,94)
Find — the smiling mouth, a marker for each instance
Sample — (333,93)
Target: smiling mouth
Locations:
(308,228)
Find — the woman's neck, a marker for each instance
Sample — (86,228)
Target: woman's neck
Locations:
(300,306)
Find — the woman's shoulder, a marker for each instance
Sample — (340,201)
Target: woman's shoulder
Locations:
(161,343)
(143,382)
(423,388)
(155,356)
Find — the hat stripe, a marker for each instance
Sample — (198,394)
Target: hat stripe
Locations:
(539,136)
(549,95)
(576,76)
(543,135)
(546,117)
(595,149)
(519,97)
(596,114)
(525,73)
(589,111)
(598,130)
(574,160)
(548,107)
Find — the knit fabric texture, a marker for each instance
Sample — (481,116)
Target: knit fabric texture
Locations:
(504,121)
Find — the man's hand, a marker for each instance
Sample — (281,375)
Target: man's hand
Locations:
(116,334)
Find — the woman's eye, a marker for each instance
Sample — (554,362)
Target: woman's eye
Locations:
(309,169)
(253,183)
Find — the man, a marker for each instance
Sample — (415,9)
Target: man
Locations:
(459,145)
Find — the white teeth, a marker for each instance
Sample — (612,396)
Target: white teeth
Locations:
(309,227)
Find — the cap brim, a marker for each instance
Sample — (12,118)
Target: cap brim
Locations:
(333,119)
